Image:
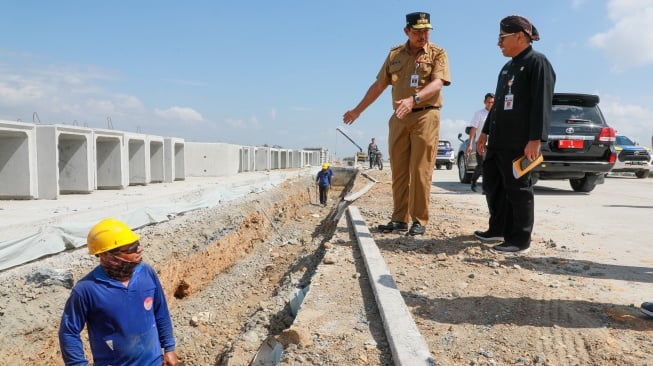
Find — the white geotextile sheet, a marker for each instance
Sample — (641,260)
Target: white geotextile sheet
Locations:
(57,238)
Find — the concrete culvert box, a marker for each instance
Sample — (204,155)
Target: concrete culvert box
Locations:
(174,157)
(64,160)
(17,161)
(157,160)
(109,166)
(137,160)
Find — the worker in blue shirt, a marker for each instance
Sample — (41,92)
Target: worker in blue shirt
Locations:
(121,303)
(323,181)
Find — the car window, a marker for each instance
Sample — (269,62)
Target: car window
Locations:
(569,114)
(623,140)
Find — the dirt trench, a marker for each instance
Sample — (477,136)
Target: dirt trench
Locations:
(248,276)
(228,273)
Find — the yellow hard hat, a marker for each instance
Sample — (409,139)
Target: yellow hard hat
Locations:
(325,166)
(109,234)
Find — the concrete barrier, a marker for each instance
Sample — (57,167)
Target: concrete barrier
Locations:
(18,174)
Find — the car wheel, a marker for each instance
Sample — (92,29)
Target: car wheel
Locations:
(641,173)
(585,184)
(449,166)
(463,176)
(437,166)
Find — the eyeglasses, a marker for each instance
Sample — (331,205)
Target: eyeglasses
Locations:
(502,36)
(129,250)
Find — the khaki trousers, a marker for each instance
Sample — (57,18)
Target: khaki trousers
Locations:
(413,144)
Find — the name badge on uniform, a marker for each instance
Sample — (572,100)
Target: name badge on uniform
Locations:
(414,80)
(507,102)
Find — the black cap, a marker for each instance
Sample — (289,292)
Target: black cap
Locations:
(418,20)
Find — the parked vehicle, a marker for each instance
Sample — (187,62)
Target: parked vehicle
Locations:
(580,145)
(466,163)
(446,155)
(631,157)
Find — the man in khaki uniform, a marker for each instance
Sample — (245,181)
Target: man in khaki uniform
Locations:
(417,71)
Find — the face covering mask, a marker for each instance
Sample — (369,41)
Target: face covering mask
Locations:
(118,268)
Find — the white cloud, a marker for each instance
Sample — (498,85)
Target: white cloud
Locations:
(180,113)
(63,95)
(12,91)
(272,114)
(449,130)
(631,120)
(629,43)
(235,123)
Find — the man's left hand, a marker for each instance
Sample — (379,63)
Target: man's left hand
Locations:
(170,359)
(532,150)
(404,107)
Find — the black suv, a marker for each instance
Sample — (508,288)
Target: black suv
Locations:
(580,144)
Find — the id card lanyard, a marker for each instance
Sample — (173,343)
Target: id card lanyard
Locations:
(509,98)
(414,78)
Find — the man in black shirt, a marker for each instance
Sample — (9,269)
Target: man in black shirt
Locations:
(517,124)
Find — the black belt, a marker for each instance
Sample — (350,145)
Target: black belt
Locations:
(425,108)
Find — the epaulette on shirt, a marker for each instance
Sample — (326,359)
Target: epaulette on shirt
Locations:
(394,51)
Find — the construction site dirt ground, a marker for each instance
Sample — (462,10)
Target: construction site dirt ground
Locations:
(232,274)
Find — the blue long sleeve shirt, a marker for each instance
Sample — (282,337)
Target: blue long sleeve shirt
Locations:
(126,325)
(323,177)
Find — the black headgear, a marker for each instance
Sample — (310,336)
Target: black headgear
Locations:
(418,20)
(517,23)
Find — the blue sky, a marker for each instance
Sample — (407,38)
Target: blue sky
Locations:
(284,72)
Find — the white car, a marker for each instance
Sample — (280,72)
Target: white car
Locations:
(446,155)
(631,157)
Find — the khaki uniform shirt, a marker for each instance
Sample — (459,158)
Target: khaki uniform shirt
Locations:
(430,63)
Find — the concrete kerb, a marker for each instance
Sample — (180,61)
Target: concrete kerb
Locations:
(408,346)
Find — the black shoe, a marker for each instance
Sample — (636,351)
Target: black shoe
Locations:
(647,308)
(507,248)
(474,186)
(417,229)
(487,236)
(392,226)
